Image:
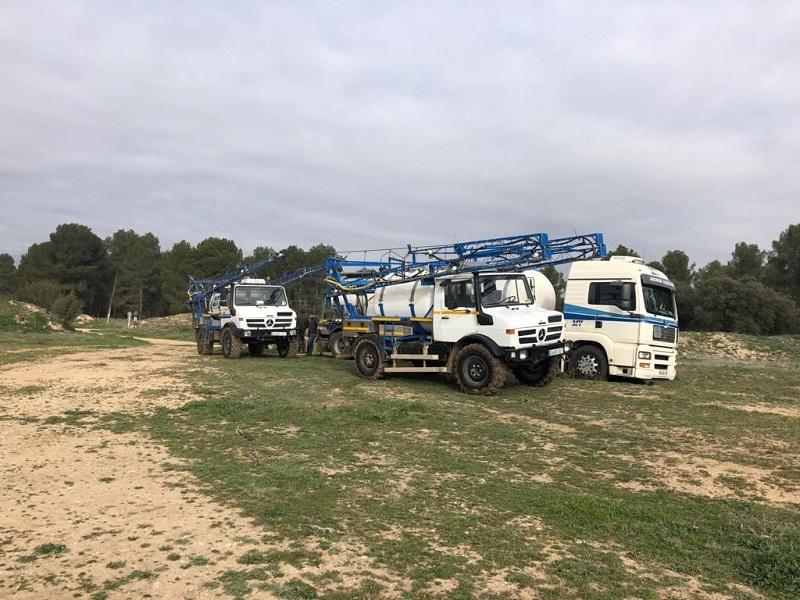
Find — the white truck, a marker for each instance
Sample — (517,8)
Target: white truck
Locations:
(621,318)
(249,312)
(472,326)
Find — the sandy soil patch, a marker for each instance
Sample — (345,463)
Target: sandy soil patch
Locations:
(101,381)
(703,476)
(786,411)
(505,417)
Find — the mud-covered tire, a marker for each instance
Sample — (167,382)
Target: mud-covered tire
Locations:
(204,346)
(231,345)
(288,348)
(369,359)
(338,345)
(588,362)
(478,371)
(320,346)
(539,375)
(256,348)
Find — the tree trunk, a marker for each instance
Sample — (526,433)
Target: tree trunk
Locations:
(111,300)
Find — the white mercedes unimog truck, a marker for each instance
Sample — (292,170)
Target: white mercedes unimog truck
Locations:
(473,327)
(250,312)
(622,320)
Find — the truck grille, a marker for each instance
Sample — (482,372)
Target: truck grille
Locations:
(531,336)
(278,323)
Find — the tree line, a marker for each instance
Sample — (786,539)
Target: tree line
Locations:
(756,291)
(76,271)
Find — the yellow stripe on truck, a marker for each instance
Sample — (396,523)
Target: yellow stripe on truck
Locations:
(359,329)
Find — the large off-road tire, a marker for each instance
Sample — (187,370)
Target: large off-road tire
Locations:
(540,374)
(204,346)
(338,345)
(478,371)
(588,362)
(288,348)
(256,348)
(370,363)
(231,345)
(320,346)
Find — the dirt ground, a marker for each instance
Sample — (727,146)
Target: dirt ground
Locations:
(131,522)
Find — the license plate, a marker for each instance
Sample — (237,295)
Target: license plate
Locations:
(663,374)
(278,333)
(555,352)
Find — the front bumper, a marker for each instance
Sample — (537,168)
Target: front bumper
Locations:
(259,335)
(662,363)
(536,354)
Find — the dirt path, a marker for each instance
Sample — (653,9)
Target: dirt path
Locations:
(87,512)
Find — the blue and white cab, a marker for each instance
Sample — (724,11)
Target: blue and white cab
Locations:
(622,320)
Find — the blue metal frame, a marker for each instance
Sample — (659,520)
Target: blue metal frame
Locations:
(200,290)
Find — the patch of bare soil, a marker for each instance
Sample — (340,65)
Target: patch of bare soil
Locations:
(84,510)
(786,411)
(704,476)
(505,417)
(110,380)
(722,346)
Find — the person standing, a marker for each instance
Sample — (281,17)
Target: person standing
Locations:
(312,333)
(302,326)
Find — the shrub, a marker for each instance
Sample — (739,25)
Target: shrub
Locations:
(66,308)
(41,293)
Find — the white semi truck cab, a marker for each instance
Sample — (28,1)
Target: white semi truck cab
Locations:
(474,327)
(251,312)
(621,319)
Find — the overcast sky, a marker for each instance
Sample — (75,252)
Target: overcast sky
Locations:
(364,124)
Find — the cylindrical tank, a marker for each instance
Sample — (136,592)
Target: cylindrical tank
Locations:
(544,294)
(412,299)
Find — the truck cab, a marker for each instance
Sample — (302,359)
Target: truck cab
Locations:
(251,312)
(622,320)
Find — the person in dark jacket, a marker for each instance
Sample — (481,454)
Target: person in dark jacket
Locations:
(302,326)
(312,333)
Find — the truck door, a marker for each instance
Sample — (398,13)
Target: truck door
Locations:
(613,304)
(454,309)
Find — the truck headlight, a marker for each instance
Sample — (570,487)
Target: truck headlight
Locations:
(644,355)
(523,354)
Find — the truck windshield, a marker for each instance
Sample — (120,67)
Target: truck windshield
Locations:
(659,300)
(504,290)
(259,295)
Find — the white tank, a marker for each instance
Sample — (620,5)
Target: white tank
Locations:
(398,301)
(544,294)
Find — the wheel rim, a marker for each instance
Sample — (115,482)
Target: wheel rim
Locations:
(369,359)
(476,370)
(587,365)
(338,347)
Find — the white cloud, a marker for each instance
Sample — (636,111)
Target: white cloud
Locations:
(367,124)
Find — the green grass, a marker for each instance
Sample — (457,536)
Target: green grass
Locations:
(408,466)
(171,328)
(573,490)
